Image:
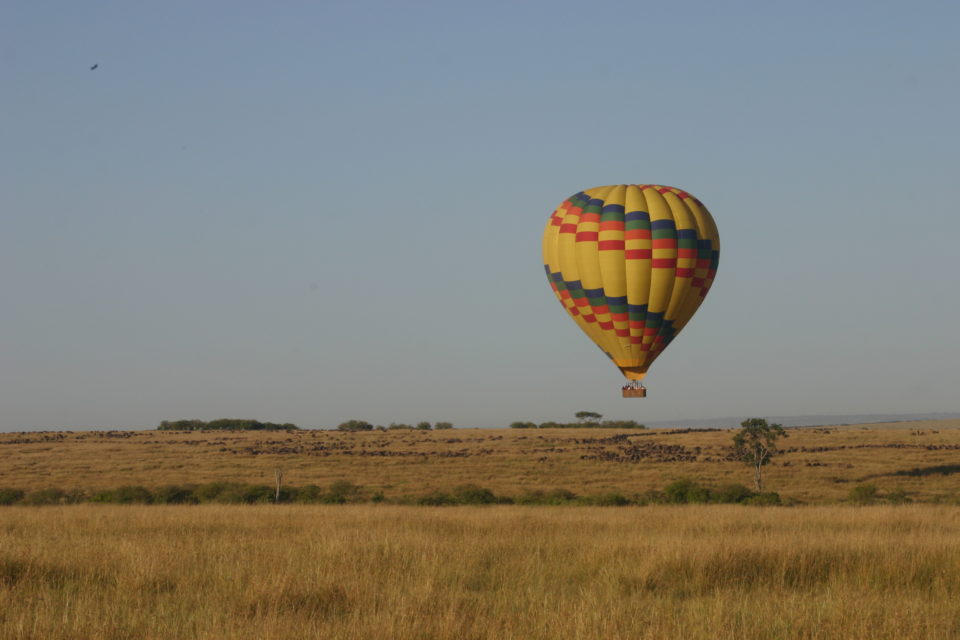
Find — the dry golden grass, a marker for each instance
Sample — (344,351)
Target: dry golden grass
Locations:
(819,465)
(523,573)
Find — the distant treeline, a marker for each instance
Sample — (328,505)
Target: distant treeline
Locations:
(225,424)
(363,425)
(683,491)
(606,424)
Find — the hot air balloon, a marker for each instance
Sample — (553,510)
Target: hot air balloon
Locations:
(631,264)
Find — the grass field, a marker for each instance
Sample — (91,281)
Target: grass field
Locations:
(825,570)
(504,572)
(818,465)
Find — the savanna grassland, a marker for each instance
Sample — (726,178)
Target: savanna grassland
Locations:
(502,572)
(821,569)
(817,465)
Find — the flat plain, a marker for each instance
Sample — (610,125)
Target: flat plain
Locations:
(822,569)
(817,465)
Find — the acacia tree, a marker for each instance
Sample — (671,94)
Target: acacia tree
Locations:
(588,416)
(756,443)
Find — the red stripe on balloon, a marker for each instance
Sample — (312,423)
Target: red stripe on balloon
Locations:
(611,245)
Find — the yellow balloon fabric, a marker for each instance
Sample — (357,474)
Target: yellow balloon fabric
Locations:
(631,265)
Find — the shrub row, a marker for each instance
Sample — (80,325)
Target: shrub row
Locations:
(213,492)
(342,492)
(682,491)
(686,491)
(363,425)
(606,424)
(224,424)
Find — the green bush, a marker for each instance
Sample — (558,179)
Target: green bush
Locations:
(11,496)
(551,497)
(897,496)
(522,425)
(768,499)
(436,499)
(731,493)
(608,500)
(342,491)
(124,495)
(863,494)
(309,494)
(105,496)
(46,496)
(652,496)
(247,494)
(287,494)
(464,494)
(210,492)
(233,493)
(133,495)
(472,494)
(423,426)
(174,494)
(686,491)
(443,425)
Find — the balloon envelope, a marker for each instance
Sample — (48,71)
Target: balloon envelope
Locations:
(631,264)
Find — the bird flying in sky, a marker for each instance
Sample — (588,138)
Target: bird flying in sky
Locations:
(94,66)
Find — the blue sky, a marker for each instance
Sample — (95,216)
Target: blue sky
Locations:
(311,212)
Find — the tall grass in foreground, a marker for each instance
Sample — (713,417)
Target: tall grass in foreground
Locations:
(504,572)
